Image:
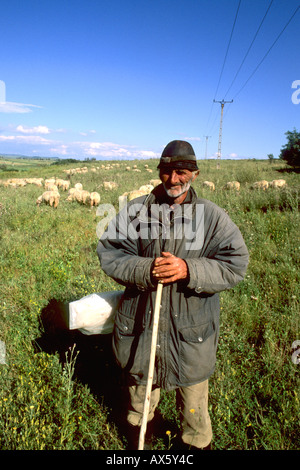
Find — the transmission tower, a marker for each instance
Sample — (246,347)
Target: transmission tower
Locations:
(206,137)
(220,131)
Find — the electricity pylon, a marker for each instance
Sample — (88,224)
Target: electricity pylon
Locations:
(220,131)
(206,137)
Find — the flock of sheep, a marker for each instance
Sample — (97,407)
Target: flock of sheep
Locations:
(263,184)
(51,195)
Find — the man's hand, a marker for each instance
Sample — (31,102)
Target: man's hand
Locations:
(168,268)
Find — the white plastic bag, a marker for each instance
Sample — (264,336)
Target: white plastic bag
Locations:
(94,314)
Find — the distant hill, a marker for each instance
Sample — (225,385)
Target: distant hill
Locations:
(36,157)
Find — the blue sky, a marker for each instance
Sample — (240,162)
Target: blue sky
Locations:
(121,78)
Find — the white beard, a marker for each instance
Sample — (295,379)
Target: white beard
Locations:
(184,189)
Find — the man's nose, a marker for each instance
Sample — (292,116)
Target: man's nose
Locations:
(174,177)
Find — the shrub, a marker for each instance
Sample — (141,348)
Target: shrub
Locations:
(290,152)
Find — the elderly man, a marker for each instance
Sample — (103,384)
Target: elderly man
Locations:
(191,246)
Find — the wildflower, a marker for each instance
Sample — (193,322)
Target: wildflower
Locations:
(168,433)
(192,410)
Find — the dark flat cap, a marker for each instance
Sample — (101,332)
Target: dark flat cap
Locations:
(178,154)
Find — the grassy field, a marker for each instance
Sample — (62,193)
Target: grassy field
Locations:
(61,390)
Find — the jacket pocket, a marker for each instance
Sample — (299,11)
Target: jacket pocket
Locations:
(129,345)
(197,352)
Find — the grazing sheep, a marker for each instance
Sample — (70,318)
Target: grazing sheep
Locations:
(62,184)
(71,191)
(86,197)
(263,184)
(130,195)
(155,182)
(75,195)
(277,184)
(36,181)
(15,182)
(95,198)
(51,187)
(78,186)
(137,193)
(50,181)
(49,197)
(109,185)
(233,185)
(127,168)
(208,184)
(146,187)
(80,196)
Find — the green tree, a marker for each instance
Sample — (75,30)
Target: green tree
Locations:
(290,152)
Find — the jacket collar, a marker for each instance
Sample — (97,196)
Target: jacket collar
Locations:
(158,206)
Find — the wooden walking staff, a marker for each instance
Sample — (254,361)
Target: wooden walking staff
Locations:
(151,367)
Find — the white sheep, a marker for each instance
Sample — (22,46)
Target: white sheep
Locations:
(277,184)
(263,184)
(94,198)
(75,195)
(51,187)
(232,185)
(62,184)
(136,193)
(155,182)
(49,197)
(15,182)
(50,181)
(80,195)
(208,184)
(78,186)
(109,185)
(147,188)
(36,181)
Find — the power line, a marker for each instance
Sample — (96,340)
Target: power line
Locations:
(277,38)
(232,29)
(269,50)
(225,58)
(261,23)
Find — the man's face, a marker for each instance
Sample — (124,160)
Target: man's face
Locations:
(176,181)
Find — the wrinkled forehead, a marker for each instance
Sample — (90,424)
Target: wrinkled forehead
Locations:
(168,170)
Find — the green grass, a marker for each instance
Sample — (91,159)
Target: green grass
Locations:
(56,396)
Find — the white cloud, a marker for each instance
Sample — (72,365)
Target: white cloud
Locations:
(34,138)
(61,150)
(84,134)
(112,150)
(26,139)
(19,108)
(33,130)
(194,139)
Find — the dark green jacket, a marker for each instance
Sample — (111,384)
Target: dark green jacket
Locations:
(202,234)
